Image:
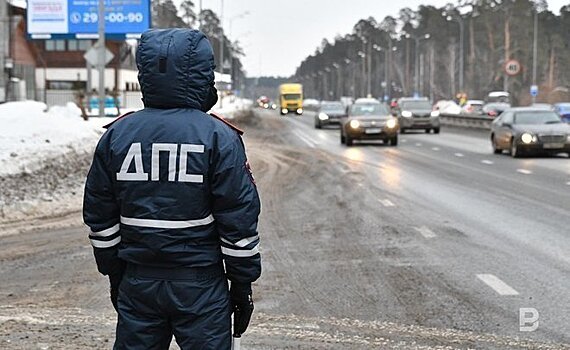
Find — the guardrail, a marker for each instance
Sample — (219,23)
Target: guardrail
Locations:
(467,121)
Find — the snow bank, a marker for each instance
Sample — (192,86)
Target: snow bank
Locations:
(30,133)
(232,105)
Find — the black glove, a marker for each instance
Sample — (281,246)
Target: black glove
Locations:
(242,306)
(115,282)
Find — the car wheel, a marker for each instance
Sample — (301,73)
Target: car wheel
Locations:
(349,141)
(515,151)
(496,150)
(428,131)
(436,131)
(394,141)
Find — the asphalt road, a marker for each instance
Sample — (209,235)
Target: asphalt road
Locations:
(434,244)
(454,236)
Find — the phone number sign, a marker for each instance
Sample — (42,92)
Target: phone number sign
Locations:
(79,18)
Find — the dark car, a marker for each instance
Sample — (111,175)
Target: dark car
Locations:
(563,110)
(329,112)
(530,130)
(417,113)
(368,119)
(495,109)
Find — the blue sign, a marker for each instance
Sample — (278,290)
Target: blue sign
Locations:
(534,90)
(79,18)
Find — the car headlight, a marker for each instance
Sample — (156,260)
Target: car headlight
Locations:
(266,106)
(274,106)
(355,124)
(284,111)
(528,138)
(323,116)
(435,114)
(407,114)
(391,123)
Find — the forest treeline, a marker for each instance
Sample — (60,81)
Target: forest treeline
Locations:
(422,51)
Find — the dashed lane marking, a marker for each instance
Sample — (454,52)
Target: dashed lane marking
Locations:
(418,144)
(435,149)
(426,232)
(404,141)
(459,155)
(387,203)
(488,162)
(497,285)
(568,183)
(524,171)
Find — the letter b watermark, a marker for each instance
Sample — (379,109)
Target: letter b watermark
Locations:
(528,319)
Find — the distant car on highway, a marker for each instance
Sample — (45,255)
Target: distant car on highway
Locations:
(329,112)
(447,107)
(311,104)
(526,130)
(474,107)
(417,113)
(368,119)
(495,109)
(563,110)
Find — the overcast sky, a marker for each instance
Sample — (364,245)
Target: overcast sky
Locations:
(277,35)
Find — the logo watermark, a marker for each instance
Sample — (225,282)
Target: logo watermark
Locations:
(528,319)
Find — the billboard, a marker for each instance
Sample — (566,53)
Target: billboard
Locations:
(78,19)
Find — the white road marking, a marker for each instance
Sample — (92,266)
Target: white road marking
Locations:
(460,155)
(524,171)
(435,149)
(488,162)
(497,285)
(568,183)
(404,141)
(387,203)
(304,138)
(426,232)
(418,144)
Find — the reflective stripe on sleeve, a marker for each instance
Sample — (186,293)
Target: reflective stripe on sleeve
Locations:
(172,224)
(240,253)
(242,243)
(105,244)
(106,233)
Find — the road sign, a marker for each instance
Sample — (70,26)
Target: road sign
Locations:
(91,56)
(513,67)
(534,90)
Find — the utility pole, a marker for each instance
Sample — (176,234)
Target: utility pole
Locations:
(222,43)
(461,53)
(369,68)
(4,40)
(535,53)
(101,57)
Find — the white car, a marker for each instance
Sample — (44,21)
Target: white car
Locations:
(448,107)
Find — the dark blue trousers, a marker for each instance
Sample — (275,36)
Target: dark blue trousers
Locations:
(190,304)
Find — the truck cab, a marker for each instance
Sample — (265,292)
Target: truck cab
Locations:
(291,99)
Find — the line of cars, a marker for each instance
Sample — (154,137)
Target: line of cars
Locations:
(370,119)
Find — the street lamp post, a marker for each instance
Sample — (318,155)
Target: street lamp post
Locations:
(535,53)
(362,55)
(461,23)
(416,59)
(338,79)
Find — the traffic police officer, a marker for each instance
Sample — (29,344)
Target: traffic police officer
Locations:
(169,199)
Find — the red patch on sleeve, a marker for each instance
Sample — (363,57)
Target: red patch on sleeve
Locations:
(220,118)
(249,172)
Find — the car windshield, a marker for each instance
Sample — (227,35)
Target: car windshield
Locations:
(369,109)
(292,96)
(332,107)
(415,105)
(537,118)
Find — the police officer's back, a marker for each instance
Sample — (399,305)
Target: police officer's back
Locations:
(169,197)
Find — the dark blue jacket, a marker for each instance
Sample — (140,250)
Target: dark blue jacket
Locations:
(170,185)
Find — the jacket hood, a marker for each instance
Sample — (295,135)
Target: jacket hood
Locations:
(176,68)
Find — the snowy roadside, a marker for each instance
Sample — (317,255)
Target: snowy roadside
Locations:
(45,155)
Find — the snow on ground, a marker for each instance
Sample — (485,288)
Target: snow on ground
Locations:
(29,133)
(45,154)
